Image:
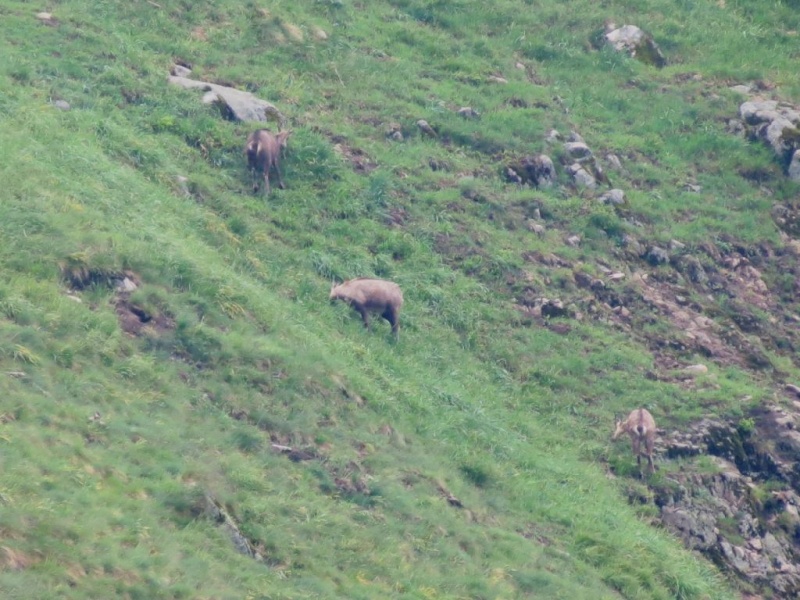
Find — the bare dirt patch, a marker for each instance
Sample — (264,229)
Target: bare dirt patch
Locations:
(15,560)
(358,159)
(133,319)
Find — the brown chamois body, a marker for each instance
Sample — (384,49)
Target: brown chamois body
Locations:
(641,427)
(372,296)
(263,150)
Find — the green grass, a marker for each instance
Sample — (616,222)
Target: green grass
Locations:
(509,417)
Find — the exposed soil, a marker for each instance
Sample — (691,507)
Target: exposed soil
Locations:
(133,319)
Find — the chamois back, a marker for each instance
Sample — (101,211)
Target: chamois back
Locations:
(641,428)
(263,151)
(372,296)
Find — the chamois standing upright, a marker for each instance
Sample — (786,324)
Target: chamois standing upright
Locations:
(372,296)
(641,427)
(263,151)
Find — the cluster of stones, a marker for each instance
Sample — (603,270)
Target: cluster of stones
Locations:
(777,124)
(722,514)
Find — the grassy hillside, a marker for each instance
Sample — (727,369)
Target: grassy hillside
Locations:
(469,460)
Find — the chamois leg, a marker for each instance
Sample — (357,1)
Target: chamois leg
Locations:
(280,179)
(390,314)
(254,177)
(364,317)
(266,182)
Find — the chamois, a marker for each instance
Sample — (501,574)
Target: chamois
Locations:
(372,295)
(641,427)
(263,149)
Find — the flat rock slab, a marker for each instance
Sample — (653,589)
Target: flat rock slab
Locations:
(242,106)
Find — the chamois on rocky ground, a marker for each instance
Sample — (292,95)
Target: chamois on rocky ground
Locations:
(263,150)
(372,296)
(641,427)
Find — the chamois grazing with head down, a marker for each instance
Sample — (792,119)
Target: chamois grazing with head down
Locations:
(641,427)
(372,296)
(263,151)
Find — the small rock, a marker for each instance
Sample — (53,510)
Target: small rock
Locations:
(581,176)
(513,176)
(552,136)
(631,244)
(553,308)
(776,135)
(535,227)
(578,150)
(638,44)
(538,170)
(210,98)
(695,369)
(520,66)
(676,245)
(657,256)
(622,312)
(597,285)
(468,112)
(615,197)
(576,137)
(617,276)
(74,298)
(573,240)
(584,280)
(319,34)
(693,187)
(735,127)
(126,285)
(426,128)
(183,185)
(497,79)
(62,105)
(764,111)
(793,389)
(794,167)
(47,19)
(614,162)
(395,132)
(180,71)
(742,89)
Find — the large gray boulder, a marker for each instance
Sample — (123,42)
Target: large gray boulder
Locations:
(537,170)
(637,43)
(236,104)
(778,125)
(581,177)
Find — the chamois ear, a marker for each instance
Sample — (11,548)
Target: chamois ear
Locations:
(283,136)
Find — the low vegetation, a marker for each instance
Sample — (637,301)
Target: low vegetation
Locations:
(183,414)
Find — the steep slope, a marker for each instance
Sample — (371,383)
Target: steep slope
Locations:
(185,415)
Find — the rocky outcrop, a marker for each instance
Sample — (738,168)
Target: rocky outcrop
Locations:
(536,170)
(743,511)
(235,104)
(776,124)
(637,43)
(581,176)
